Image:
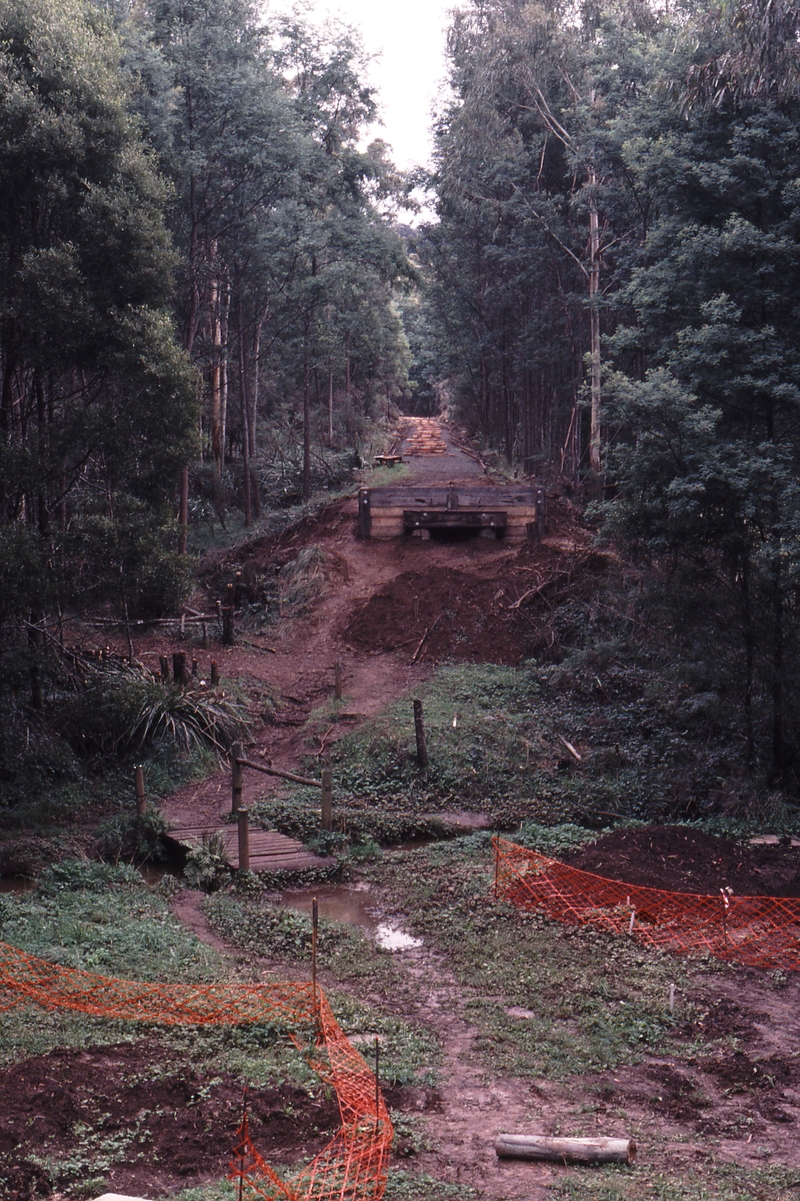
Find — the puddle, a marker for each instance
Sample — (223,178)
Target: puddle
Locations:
(391,938)
(350,905)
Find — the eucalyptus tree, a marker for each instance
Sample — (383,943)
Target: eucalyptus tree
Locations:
(532,190)
(346,257)
(96,404)
(709,455)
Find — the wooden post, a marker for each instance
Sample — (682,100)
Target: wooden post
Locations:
(164,664)
(337,681)
(236,777)
(244,840)
(194,667)
(314,930)
(541,511)
(228,618)
(419,730)
(377,1077)
(214,673)
(141,800)
(364,513)
(327,799)
(179,673)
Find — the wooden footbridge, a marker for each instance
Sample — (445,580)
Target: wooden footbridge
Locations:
(268,850)
(259,850)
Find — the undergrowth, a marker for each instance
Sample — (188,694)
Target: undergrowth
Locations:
(616,1005)
(591,741)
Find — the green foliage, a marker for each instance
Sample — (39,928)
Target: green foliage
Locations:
(207,865)
(617,1003)
(123,710)
(103,919)
(133,837)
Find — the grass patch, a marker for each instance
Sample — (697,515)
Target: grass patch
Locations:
(496,741)
(408,1053)
(614,1008)
(418,1186)
(708,1181)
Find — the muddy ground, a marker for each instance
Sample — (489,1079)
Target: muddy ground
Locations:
(739,1102)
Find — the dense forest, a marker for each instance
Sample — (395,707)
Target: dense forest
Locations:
(209,302)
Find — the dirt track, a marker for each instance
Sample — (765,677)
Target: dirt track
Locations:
(680,1110)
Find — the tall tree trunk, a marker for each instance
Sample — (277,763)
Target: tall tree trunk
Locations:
(223,369)
(246,481)
(778,744)
(307,410)
(330,407)
(594,318)
(215,411)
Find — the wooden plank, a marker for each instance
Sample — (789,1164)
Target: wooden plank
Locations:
(395,497)
(436,519)
(269,850)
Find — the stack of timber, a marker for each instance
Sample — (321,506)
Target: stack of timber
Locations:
(513,514)
(269,851)
(425,437)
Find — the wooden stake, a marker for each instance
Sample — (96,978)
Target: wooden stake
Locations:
(244,840)
(314,929)
(419,730)
(179,673)
(214,673)
(377,1077)
(337,676)
(243,1145)
(236,777)
(228,618)
(164,664)
(327,799)
(141,800)
(194,668)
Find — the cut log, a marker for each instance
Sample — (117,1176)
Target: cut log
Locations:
(565,1150)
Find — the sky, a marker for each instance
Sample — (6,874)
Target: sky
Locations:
(410,37)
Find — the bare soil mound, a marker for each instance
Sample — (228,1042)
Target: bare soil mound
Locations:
(679,859)
(178,1127)
(496,612)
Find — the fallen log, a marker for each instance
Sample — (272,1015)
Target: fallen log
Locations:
(273,771)
(565,1150)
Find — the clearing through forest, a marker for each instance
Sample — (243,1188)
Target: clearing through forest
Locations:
(388,612)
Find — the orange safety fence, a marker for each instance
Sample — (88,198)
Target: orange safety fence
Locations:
(354,1165)
(757,931)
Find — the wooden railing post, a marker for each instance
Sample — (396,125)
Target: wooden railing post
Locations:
(236,777)
(327,799)
(244,840)
(141,799)
(419,730)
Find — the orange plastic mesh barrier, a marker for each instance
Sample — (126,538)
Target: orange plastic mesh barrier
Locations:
(354,1165)
(758,931)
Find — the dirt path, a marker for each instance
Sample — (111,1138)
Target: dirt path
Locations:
(297,667)
(680,1110)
